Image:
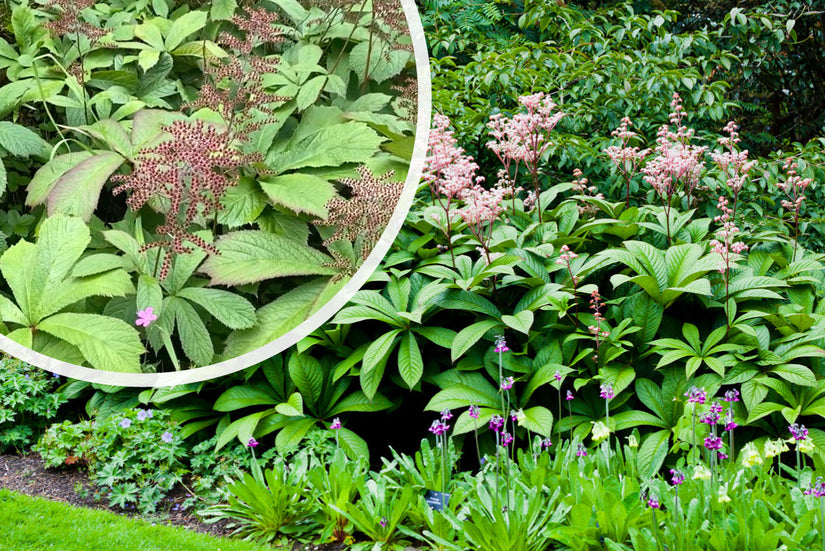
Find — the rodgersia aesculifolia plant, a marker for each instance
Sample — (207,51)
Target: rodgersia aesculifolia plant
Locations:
(186,176)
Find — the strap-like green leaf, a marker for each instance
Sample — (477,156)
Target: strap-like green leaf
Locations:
(470,335)
(410,362)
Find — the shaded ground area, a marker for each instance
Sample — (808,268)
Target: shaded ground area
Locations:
(26,474)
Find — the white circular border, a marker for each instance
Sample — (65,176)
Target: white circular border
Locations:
(323,314)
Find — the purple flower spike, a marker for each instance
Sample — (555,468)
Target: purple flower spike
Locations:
(799,432)
(473,412)
(252,443)
(336,424)
(546,443)
(654,502)
(145,317)
(507,383)
(606,391)
(446,415)
(383,522)
(506,439)
(731,395)
(557,376)
(696,395)
(501,344)
(438,428)
(713,442)
(581,451)
(569,396)
(677,478)
(496,423)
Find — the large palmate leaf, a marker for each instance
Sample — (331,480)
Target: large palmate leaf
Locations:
(41,279)
(106,343)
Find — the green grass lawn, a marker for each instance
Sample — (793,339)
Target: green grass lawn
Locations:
(34,524)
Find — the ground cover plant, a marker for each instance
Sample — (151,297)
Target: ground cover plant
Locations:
(183,184)
(610,306)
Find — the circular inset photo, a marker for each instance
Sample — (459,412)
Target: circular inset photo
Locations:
(189,188)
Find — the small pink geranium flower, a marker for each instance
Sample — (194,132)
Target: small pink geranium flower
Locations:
(145,317)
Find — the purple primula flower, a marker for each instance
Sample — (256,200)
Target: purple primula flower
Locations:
(438,427)
(383,522)
(581,451)
(721,455)
(569,396)
(713,442)
(654,502)
(501,344)
(126,423)
(506,439)
(473,412)
(336,424)
(496,423)
(711,418)
(557,376)
(799,432)
(166,437)
(507,383)
(730,424)
(678,477)
(606,391)
(696,395)
(252,443)
(546,443)
(716,407)
(514,416)
(817,490)
(145,317)
(446,415)
(731,396)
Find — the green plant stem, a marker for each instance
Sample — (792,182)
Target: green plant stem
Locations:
(43,100)
(822,521)
(655,528)
(607,441)
(693,426)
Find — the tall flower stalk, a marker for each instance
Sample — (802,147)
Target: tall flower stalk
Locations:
(794,187)
(524,138)
(695,396)
(626,158)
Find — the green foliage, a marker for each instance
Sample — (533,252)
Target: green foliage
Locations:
(28,402)
(134,458)
(232,249)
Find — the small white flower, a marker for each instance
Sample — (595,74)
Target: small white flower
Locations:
(600,431)
(700,472)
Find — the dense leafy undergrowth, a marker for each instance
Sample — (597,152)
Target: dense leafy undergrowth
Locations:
(182,184)
(621,306)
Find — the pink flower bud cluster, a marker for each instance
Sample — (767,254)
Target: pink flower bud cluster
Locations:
(580,186)
(482,205)
(794,186)
(624,156)
(734,163)
(564,259)
(447,170)
(727,234)
(524,137)
(677,162)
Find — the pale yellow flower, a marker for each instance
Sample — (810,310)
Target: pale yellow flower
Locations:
(750,455)
(775,447)
(806,446)
(723,494)
(632,442)
(700,472)
(600,431)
